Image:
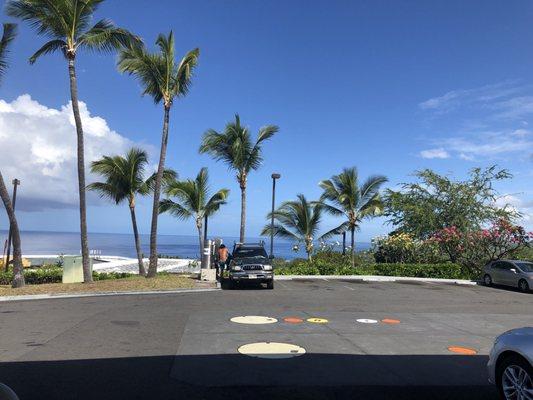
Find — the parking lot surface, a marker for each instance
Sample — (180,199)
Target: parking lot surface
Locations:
(318,339)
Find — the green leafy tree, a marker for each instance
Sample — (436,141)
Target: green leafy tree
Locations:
(193,201)
(437,201)
(236,148)
(10,31)
(164,79)
(124,180)
(343,196)
(298,220)
(68,24)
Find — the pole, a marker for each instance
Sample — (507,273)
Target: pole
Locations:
(274,177)
(16,182)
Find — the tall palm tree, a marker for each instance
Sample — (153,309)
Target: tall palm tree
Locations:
(67,24)
(124,179)
(192,200)
(298,220)
(10,31)
(164,79)
(343,196)
(236,148)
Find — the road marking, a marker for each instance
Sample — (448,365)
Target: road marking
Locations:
(390,321)
(271,350)
(317,320)
(348,287)
(367,321)
(254,320)
(293,320)
(465,351)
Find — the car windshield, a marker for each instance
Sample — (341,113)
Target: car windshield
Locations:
(250,253)
(525,266)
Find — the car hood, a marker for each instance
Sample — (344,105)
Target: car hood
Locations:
(526,331)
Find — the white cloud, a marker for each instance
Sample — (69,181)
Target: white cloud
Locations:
(434,153)
(38,146)
(511,201)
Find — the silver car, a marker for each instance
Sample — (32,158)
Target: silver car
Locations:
(514,273)
(510,364)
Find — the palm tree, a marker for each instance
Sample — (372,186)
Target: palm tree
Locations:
(298,220)
(124,179)
(10,31)
(235,147)
(164,79)
(355,203)
(67,23)
(192,201)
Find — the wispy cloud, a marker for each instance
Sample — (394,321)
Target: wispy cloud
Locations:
(458,98)
(434,153)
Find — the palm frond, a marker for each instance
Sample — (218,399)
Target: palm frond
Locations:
(174,209)
(50,47)
(8,35)
(106,37)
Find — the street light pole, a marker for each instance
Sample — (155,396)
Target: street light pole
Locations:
(274,177)
(16,182)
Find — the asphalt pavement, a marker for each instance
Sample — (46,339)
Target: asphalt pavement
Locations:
(355,339)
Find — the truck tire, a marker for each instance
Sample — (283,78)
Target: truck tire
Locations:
(270,284)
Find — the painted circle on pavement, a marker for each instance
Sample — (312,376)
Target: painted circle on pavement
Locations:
(465,351)
(367,321)
(254,320)
(317,320)
(390,321)
(293,320)
(271,350)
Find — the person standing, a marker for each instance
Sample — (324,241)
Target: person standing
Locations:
(223,255)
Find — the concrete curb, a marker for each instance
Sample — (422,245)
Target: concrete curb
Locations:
(373,278)
(99,294)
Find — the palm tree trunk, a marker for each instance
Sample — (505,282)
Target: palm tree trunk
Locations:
(243,210)
(18,272)
(87,275)
(200,238)
(142,271)
(152,268)
(352,249)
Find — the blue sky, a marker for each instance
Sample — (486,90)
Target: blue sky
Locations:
(389,87)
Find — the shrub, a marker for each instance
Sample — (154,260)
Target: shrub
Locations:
(54,274)
(403,248)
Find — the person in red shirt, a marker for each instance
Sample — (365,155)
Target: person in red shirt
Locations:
(223,255)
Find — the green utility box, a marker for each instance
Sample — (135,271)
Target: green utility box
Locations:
(73,269)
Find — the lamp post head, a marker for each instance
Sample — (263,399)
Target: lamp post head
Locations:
(276,176)
(16,182)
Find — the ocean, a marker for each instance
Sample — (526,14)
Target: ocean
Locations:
(117,244)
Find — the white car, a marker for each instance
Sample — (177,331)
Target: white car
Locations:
(510,364)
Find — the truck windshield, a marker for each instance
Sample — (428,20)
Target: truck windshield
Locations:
(250,253)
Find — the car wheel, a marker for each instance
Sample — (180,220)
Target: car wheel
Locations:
(487,280)
(523,286)
(515,378)
(270,284)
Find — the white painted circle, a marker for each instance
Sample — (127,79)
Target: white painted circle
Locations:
(254,320)
(367,321)
(271,350)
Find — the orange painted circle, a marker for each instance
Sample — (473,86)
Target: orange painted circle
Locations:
(462,350)
(390,321)
(293,320)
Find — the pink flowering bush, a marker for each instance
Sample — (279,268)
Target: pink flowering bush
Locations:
(475,248)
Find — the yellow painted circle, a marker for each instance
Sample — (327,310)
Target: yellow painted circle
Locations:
(254,320)
(271,350)
(317,320)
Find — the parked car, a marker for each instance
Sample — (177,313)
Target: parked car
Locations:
(249,263)
(510,364)
(514,273)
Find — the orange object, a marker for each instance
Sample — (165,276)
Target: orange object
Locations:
(390,321)
(293,320)
(462,350)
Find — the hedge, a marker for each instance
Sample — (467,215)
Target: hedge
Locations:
(37,276)
(444,270)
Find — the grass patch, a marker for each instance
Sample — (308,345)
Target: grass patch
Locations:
(133,283)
